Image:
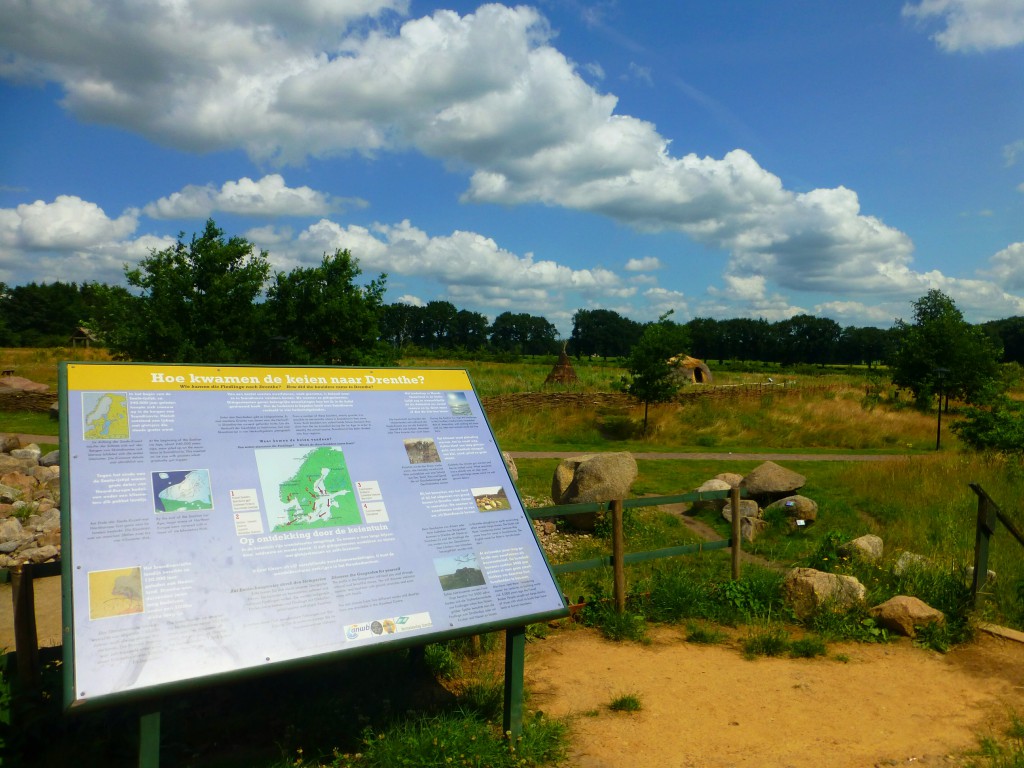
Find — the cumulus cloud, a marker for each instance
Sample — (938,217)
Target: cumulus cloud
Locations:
(973,25)
(69,240)
(1007,267)
(486,93)
(645,264)
(268,196)
(468,266)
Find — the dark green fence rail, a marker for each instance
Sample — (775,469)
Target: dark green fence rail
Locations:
(618,559)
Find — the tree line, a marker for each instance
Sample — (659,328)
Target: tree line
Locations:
(215,298)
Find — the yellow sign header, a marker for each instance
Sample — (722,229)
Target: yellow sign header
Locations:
(178,377)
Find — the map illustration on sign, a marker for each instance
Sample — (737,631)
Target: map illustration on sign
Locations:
(105,416)
(306,488)
(182,490)
(115,592)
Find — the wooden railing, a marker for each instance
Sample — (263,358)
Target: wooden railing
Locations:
(989,514)
(618,559)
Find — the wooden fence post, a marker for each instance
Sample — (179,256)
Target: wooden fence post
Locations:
(618,556)
(26,640)
(734,503)
(986,526)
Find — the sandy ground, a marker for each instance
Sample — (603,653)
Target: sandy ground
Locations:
(708,707)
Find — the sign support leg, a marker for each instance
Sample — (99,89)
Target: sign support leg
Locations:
(149,739)
(515,653)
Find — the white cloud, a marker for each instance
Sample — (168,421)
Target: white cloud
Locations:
(414,301)
(645,264)
(973,25)
(268,196)
(67,222)
(485,92)
(1012,151)
(1007,267)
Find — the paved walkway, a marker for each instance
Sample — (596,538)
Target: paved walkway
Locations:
(723,456)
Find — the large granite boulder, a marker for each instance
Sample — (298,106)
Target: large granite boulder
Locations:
(867,548)
(808,591)
(592,477)
(797,511)
(903,614)
(769,481)
(713,505)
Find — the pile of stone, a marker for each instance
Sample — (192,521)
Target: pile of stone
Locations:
(770,492)
(29,503)
(771,497)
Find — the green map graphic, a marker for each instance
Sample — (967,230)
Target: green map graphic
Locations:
(320,493)
(106,416)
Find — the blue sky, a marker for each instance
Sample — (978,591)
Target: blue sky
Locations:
(727,159)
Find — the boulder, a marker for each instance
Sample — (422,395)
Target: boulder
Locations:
(770,481)
(908,561)
(868,548)
(592,477)
(751,528)
(748,509)
(903,614)
(713,505)
(793,509)
(51,459)
(510,464)
(9,443)
(808,591)
(732,478)
(30,451)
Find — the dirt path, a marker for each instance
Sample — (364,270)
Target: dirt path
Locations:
(706,706)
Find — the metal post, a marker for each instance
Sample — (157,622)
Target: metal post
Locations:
(26,640)
(515,664)
(618,556)
(734,504)
(149,740)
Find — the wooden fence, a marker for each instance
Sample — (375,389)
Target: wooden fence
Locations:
(988,515)
(620,400)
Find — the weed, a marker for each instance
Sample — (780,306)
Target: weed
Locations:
(1004,752)
(842,658)
(457,739)
(441,661)
(618,626)
(484,697)
(769,641)
(704,634)
(807,647)
(854,624)
(626,702)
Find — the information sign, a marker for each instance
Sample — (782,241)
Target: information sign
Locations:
(220,519)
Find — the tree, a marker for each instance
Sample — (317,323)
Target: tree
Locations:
(650,375)
(470,330)
(603,332)
(197,302)
(320,316)
(942,351)
(807,339)
(523,333)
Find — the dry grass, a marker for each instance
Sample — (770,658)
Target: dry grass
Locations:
(40,364)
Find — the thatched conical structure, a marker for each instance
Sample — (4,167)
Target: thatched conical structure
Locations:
(563,372)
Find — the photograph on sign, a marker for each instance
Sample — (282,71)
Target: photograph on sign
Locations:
(227,518)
